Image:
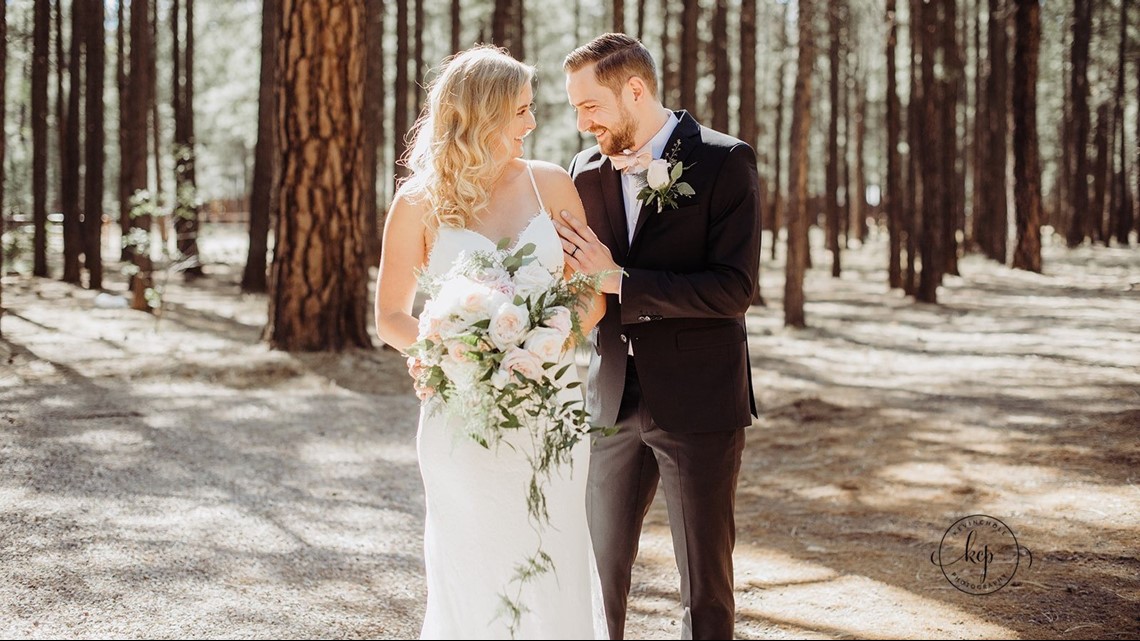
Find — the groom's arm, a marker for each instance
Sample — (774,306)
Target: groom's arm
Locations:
(724,289)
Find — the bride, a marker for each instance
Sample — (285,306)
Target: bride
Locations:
(469,188)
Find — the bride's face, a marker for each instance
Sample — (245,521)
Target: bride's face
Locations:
(521,122)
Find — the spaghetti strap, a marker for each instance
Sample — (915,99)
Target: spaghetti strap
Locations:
(541,206)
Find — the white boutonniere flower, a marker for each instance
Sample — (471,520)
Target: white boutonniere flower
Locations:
(663,181)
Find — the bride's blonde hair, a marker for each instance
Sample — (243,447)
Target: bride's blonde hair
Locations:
(452,159)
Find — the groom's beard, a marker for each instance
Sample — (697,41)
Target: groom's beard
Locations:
(620,137)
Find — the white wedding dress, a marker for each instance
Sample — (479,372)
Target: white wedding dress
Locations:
(477,527)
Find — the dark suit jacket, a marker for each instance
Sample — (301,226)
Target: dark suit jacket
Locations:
(691,276)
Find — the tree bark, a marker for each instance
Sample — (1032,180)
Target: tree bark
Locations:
(1100,172)
(951,141)
(70,161)
(418,56)
(640,20)
(747,130)
(669,78)
(123,95)
(797,171)
(930,244)
(262,193)
(619,16)
(690,44)
(40,43)
(995,210)
(138,83)
(894,192)
(722,74)
(914,143)
(857,199)
(832,168)
(777,203)
(318,289)
(96,137)
(186,222)
(1027,166)
(456,26)
(374,116)
(400,121)
(1121,214)
(1082,28)
(3,139)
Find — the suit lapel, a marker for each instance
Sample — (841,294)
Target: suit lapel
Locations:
(615,205)
(688,132)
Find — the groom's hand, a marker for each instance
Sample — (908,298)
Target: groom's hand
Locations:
(586,254)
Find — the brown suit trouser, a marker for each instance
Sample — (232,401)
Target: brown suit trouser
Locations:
(698,473)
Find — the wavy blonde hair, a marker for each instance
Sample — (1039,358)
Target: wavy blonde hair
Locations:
(452,158)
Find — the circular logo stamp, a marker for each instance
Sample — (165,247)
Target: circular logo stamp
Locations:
(979,554)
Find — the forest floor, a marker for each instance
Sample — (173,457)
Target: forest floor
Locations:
(175,478)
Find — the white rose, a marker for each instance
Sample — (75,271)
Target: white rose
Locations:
(462,373)
(508,325)
(560,320)
(545,343)
(451,327)
(532,279)
(658,174)
(524,362)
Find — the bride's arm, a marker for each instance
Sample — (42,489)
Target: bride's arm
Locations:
(562,196)
(403,252)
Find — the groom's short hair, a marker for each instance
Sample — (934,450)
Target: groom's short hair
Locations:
(617,58)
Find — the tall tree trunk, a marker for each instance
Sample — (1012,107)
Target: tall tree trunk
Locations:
(96,136)
(1100,173)
(619,16)
(418,55)
(640,19)
(894,191)
(138,83)
(951,147)
(777,203)
(186,222)
(857,199)
(506,26)
(832,169)
(123,96)
(1082,30)
(400,109)
(1136,218)
(70,165)
(155,130)
(933,99)
(914,187)
(669,74)
(690,44)
(1026,165)
(995,211)
(1121,215)
(747,123)
(456,24)
(797,171)
(253,278)
(374,115)
(63,171)
(722,74)
(3,139)
(318,290)
(978,155)
(40,44)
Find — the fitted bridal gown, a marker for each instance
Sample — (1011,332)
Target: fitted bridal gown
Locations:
(477,527)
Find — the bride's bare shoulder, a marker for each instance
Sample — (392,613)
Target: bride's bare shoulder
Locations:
(553,179)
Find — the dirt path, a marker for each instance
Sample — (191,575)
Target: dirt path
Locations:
(190,483)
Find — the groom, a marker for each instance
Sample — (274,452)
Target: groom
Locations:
(671,368)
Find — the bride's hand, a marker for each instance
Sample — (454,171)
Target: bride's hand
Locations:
(416,370)
(585,253)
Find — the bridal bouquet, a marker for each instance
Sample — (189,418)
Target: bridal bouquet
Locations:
(490,341)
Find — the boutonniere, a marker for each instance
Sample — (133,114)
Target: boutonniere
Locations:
(662,181)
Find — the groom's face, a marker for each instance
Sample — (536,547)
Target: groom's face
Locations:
(601,112)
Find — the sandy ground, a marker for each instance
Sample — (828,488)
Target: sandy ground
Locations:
(178,479)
